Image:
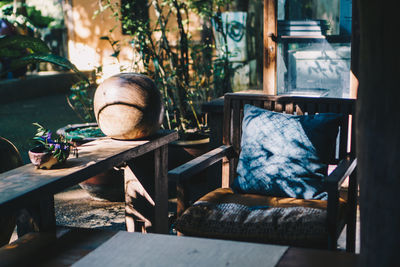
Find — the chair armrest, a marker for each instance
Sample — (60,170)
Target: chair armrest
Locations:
(345,168)
(339,174)
(190,168)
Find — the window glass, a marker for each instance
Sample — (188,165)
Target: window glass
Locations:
(314,47)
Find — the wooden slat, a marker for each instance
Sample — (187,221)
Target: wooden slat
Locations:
(289,108)
(335,108)
(258,104)
(226,137)
(247,102)
(311,108)
(236,125)
(322,108)
(279,107)
(299,109)
(268,105)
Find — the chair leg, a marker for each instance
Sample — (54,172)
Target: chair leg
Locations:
(332,215)
(351,214)
(182,199)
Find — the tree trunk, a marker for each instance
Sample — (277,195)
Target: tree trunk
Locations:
(378,133)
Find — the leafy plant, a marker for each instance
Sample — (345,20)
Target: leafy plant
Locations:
(184,69)
(27,16)
(17,51)
(21,50)
(80,100)
(54,144)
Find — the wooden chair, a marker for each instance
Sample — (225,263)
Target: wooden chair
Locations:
(338,215)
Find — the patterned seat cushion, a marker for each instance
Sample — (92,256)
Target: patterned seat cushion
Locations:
(257,218)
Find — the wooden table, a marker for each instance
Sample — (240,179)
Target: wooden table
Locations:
(28,187)
(135,249)
(82,247)
(116,248)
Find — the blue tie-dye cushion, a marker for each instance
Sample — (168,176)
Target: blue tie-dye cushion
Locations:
(285,155)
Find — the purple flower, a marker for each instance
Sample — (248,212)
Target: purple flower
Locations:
(48,136)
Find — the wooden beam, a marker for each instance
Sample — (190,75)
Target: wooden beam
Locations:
(270,47)
(378,131)
(355,51)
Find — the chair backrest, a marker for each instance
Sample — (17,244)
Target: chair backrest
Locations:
(233,115)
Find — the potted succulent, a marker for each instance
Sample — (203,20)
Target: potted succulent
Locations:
(50,149)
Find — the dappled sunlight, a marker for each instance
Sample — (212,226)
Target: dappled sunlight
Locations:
(83,56)
(86,50)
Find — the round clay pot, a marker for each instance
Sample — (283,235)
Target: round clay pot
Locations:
(86,132)
(108,185)
(128,106)
(9,159)
(184,150)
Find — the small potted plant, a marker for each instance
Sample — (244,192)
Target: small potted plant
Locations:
(50,149)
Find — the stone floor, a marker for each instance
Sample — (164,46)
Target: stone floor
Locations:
(75,207)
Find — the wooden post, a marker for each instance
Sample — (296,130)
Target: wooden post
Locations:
(37,217)
(270,47)
(134,193)
(161,190)
(378,133)
(146,192)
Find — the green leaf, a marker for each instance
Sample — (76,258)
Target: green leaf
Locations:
(104,38)
(54,59)
(116,54)
(21,42)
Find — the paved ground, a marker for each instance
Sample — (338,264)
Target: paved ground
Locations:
(16,119)
(74,207)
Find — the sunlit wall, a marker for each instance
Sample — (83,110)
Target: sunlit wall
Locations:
(87,51)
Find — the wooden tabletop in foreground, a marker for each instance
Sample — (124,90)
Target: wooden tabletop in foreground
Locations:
(26,183)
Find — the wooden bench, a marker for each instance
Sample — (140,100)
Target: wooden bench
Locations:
(29,188)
